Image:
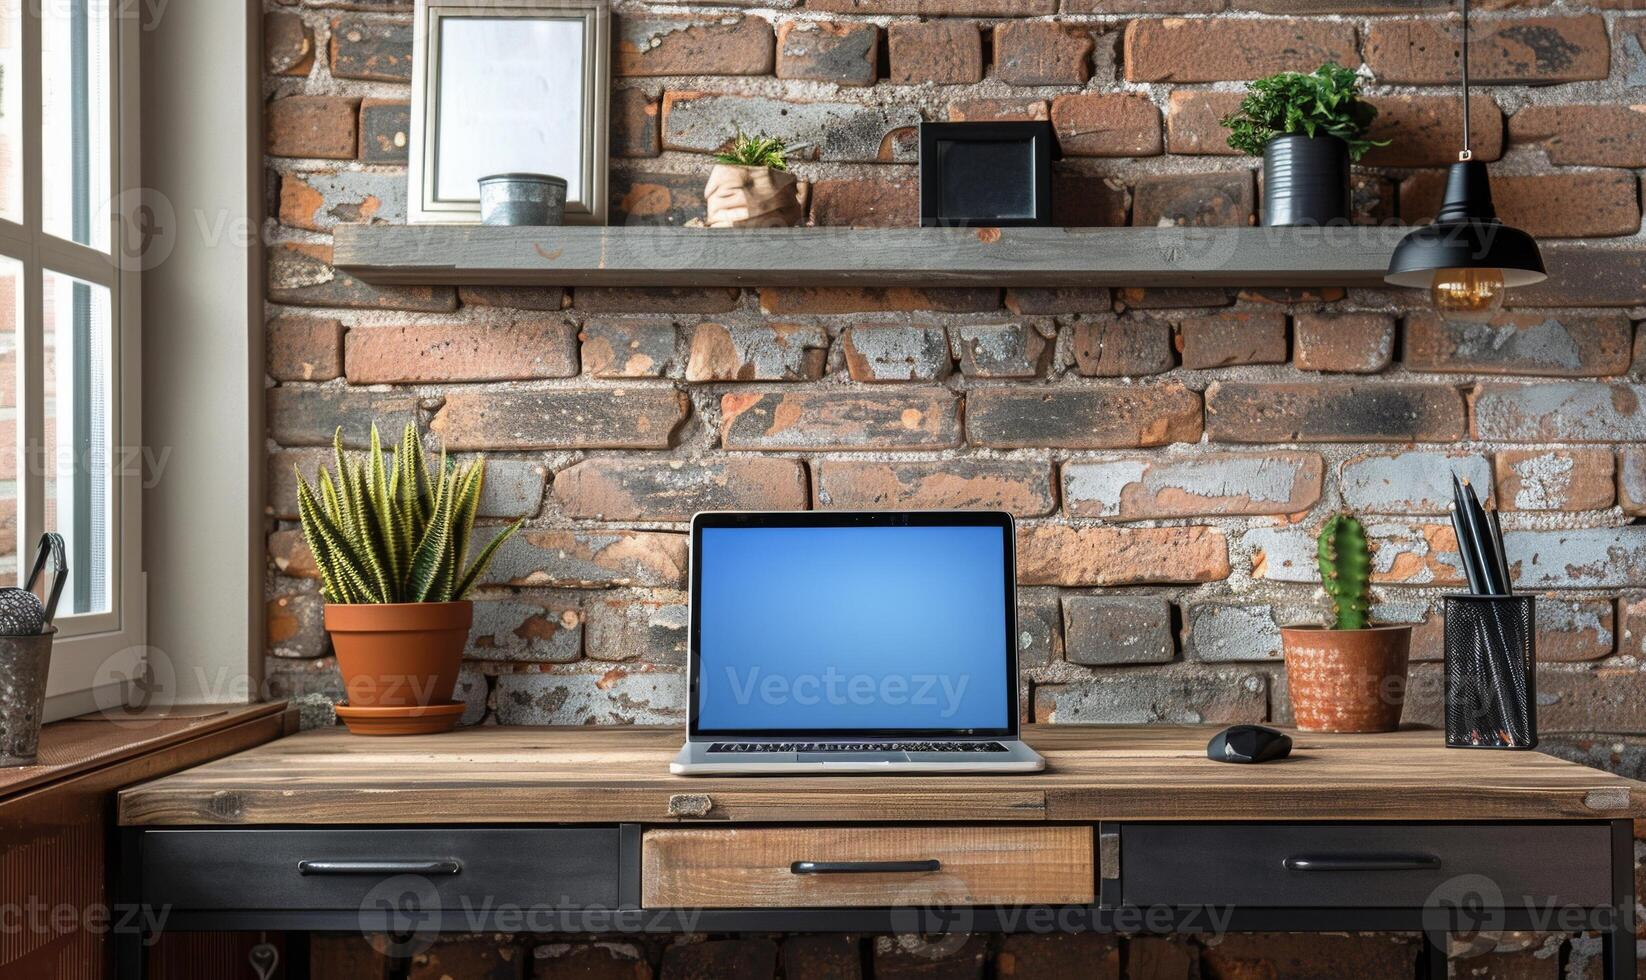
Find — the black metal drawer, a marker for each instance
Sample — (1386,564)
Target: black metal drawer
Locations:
(1362,865)
(327,869)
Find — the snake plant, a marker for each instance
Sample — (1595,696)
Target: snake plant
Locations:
(395,532)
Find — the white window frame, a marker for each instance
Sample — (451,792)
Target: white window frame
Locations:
(102,650)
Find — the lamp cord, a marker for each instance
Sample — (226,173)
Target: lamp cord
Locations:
(1468,152)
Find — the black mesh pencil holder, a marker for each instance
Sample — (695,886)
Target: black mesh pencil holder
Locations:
(1491,672)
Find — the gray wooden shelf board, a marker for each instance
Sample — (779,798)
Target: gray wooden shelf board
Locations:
(1046,257)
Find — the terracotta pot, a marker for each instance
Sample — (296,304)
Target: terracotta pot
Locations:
(753,197)
(400,660)
(1346,680)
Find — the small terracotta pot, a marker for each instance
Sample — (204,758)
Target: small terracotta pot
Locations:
(401,658)
(1346,680)
(753,197)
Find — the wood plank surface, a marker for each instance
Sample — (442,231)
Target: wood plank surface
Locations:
(605,775)
(863,257)
(750,867)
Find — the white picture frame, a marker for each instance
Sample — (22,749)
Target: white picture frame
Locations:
(508,86)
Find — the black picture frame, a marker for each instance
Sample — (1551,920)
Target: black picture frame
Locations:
(986,174)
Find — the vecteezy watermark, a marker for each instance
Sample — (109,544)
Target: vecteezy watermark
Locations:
(35,916)
(832,687)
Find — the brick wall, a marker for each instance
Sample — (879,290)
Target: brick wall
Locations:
(1169,451)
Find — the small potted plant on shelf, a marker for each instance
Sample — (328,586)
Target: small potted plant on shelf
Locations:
(1307,128)
(751,186)
(1349,676)
(390,540)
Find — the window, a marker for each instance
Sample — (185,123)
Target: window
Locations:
(68,321)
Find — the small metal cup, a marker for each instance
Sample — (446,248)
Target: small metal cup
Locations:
(522,199)
(24,661)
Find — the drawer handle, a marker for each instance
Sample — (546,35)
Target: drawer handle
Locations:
(863,867)
(443,866)
(1363,862)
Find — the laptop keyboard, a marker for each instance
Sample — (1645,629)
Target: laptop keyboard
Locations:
(857,747)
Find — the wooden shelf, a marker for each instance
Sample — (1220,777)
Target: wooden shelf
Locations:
(1052,257)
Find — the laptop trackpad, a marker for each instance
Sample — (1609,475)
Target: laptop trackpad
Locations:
(854,757)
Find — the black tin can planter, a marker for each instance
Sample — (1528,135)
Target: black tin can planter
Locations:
(1305,181)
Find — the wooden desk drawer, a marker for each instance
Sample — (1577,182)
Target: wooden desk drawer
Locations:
(1361,865)
(339,869)
(762,867)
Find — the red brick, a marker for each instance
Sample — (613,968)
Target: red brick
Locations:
(305,349)
(949,957)
(1341,412)
(1042,52)
(291,556)
(347,956)
(637,124)
(641,198)
(1554,479)
(847,299)
(937,8)
(672,300)
(1427,130)
(385,130)
(1088,417)
(1107,125)
(561,418)
(288,45)
(1222,200)
(459,352)
(1555,205)
(732,45)
(872,203)
(1194,122)
(375,50)
(609,489)
(1537,50)
(1015,349)
(907,418)
(1631,480)
(944,52)
(1211,484)
(1147,696)
(321,202)
(1352,343)
(1311,956)
(1023,487)
(1088,200)
(823,957)
(477,958)
(316,126)
(1584,135)
(590,961)
(1171,297)
(591,559)
(1143,6)
(842,130)
(999,110)
(765,351)
(1034,300)
(1066,954)
(540,298)
(310,416)
(1521,343)
(295,627)
(1569,411)
(1228,339)
(626,349)
(1220,49)
(301,274)
(841,52)
(1056,554)
(1111,347)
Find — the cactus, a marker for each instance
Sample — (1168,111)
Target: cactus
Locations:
(1345,568)
(385,532)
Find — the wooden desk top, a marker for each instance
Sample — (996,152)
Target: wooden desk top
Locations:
(609,775)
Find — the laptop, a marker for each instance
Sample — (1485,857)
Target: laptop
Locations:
(846,642)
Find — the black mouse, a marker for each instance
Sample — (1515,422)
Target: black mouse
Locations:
(1248,743)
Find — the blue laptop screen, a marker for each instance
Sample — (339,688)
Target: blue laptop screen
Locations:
(852,628)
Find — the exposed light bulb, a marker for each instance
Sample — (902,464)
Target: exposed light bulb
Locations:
(1470,295)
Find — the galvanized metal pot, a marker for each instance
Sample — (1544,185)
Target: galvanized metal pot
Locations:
(522,199)
(24,661)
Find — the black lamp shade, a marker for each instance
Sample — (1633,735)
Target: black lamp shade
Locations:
(1466,235)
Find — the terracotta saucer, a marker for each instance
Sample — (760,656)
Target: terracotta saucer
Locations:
(417,720)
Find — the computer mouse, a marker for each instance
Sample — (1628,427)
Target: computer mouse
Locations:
(1248,743)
